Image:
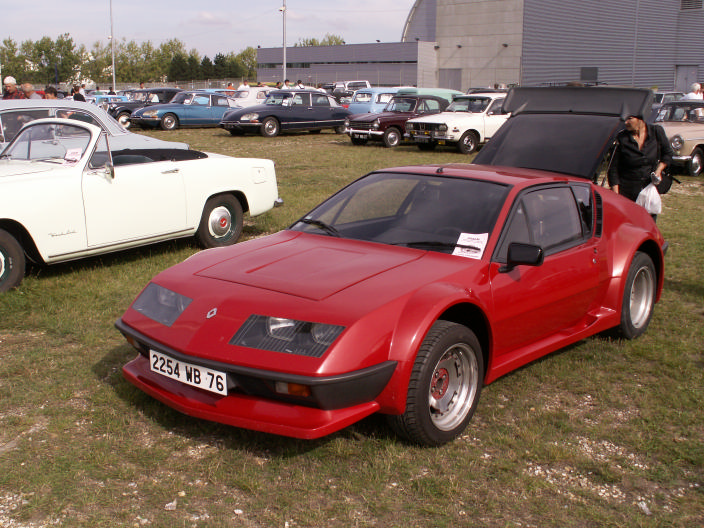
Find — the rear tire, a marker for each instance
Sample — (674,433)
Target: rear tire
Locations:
(444,388)
(124,119)
(221,223)
(638,297)
(12,262)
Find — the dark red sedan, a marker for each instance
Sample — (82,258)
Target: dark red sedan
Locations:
(411,288)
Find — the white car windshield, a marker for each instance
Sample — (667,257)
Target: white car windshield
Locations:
(469,104)
(51,142)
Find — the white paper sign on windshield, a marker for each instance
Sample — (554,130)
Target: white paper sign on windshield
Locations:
(471,245)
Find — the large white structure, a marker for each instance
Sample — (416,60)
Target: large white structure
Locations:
(463,44)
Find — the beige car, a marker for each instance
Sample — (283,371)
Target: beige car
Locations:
(683,122)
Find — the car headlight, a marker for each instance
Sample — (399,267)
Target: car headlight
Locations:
(677,142)
(150,113)
(409,126)
(161,304)
(347,122)
(291,336)
(442,127)
(375,124)
(250,117)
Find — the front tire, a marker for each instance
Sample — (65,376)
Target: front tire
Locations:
(696,163)
(12,262)
(221,222)
(169,122)
(340,129)
(468,142)
(270,127)
(638,297)
(392,137)
(445,385)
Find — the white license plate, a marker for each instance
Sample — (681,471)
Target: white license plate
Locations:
(358,135)
(195,375)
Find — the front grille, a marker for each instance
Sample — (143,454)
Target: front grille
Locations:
(360,125)
(423,127)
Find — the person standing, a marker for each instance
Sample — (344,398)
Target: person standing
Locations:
(77,95)
(642,153)
(50,93)
(29,92)
(11,91)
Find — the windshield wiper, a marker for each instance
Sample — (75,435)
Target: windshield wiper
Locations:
(330,230)
(435,244)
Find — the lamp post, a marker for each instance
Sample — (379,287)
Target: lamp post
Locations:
(283,12)
(112,49)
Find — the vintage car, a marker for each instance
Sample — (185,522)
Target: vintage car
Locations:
(411,288)
(683,122)
(344,90)
(67,191)
(253,95)
(389,125)
(288,111)
(660,98)
(104,100)
(370,100)
(467,123)
(186,109)
(15,114)
(139,99)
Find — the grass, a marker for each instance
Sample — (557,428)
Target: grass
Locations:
(603,433)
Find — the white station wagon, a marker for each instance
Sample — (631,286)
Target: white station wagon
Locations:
(469,121)
(65,194)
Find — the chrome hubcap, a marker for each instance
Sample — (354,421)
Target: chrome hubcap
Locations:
(641,297)
(453,387)
(696,164)
(2,264)
(220,222)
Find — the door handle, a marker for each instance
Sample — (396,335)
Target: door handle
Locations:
(170,171)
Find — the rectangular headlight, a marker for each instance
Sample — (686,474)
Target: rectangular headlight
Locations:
(278,334)
(161,304)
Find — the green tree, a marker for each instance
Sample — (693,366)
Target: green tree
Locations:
(178,68)
(328,40)
(247,59)
(206,68)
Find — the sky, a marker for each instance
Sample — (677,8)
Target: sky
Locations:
(207,26)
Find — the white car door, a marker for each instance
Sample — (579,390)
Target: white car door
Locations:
(143,200)
(494,118)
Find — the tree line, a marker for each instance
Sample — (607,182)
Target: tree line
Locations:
(48,61)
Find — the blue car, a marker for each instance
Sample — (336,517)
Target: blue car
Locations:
(371,100)
(186,109)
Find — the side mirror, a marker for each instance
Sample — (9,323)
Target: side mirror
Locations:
(522,254)
(110,171)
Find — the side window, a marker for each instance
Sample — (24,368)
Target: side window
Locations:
(219,100)
(548,218)
(432,105)
(496,107)
(79,116)
(261,94)
(301,99)
(201,100)
(320,100)
(101,154)
(583,194)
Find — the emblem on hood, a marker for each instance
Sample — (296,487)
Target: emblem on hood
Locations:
(212,313)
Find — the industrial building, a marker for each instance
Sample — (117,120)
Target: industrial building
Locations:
(464,44)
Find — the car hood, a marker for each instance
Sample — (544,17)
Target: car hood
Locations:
(445,116)
(236,113)
(310,266)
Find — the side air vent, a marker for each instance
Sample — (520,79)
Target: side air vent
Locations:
(599,216)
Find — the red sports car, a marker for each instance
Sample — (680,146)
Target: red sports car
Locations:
(409,289)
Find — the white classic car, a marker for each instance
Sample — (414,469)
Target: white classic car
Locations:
(66,192)
(469,121)
(250,96)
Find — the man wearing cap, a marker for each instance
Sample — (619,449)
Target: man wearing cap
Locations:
(11,91)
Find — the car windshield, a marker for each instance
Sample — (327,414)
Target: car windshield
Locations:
(277,98)
(433,213)
(687,112)
(469,104)
(50,142)
(401,104)
(182,98)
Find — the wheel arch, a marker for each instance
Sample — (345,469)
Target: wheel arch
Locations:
(650,248)
(239,196)
(20,233)
(428,305)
